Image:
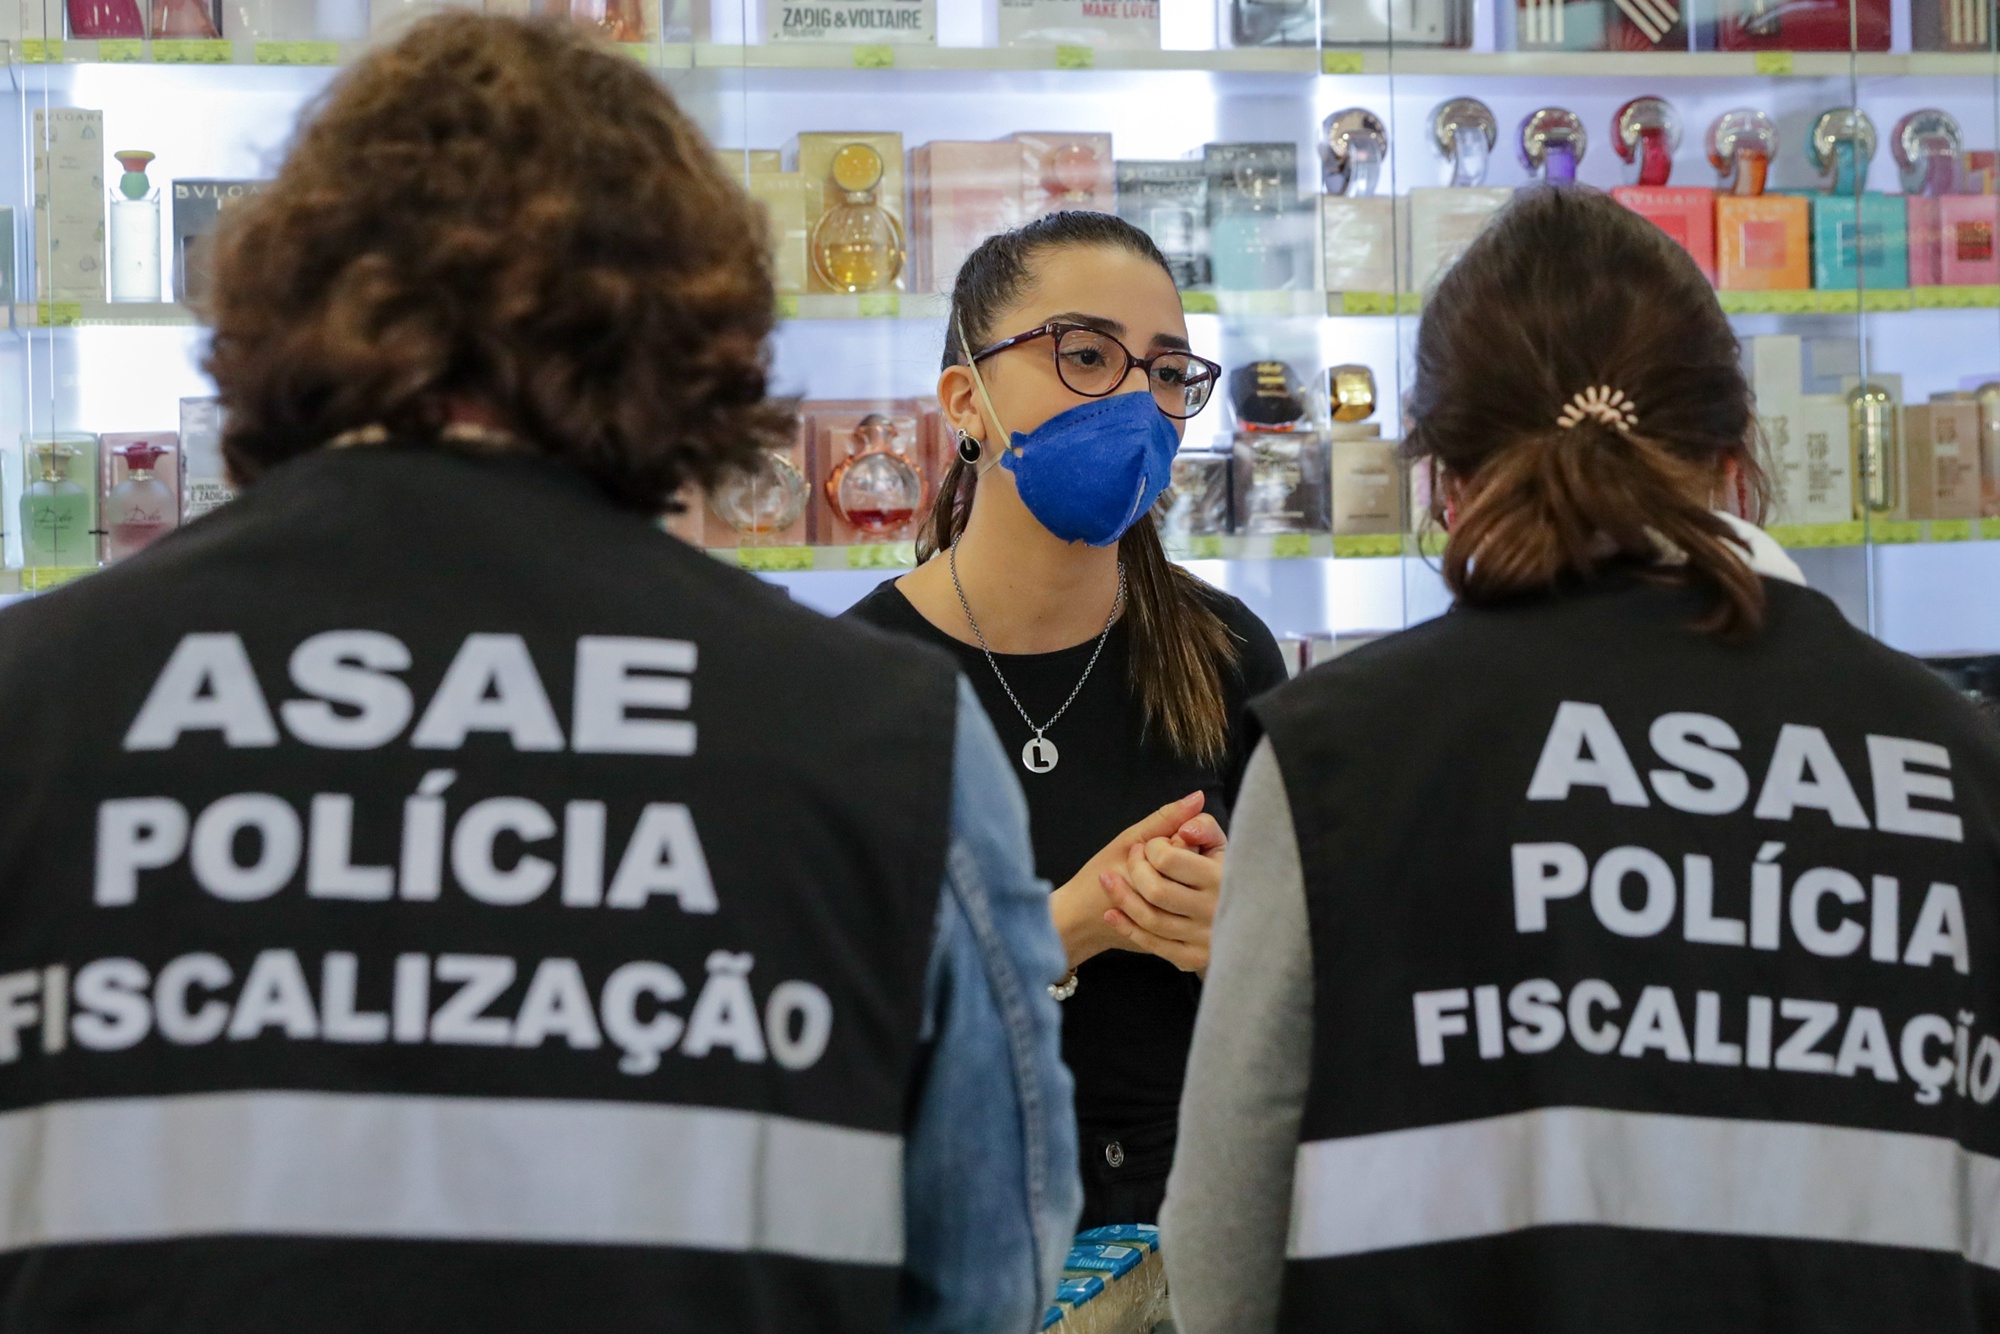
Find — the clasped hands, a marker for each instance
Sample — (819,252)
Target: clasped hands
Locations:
(1152,890)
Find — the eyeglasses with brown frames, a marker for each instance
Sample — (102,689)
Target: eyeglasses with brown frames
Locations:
(1093,363)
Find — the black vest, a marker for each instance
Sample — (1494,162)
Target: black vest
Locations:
(1655,978)
(434,899)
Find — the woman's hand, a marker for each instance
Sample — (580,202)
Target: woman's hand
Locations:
(1163,898)
(1082,905)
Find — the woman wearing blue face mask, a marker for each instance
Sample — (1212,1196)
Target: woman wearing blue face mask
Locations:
(1117,678)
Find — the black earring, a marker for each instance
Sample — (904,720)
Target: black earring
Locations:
(968,448)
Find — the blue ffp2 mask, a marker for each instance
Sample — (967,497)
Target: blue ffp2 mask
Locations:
(1091,472)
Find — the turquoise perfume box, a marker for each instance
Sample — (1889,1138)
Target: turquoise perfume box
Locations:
(1860,242)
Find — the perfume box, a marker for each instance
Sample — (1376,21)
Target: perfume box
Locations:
(1951,25)
(1198,502)
(1066,171)
(1358,240)
(961,193)
(1123,25)
(865,22)
(839,429)
(768,507)
(69,204)
(204,476)
(1803,25)
(811,155)
(1966,233)
(7,297)
(746,162)
(1367,482)
(1941,474)
(1763,243)
(1925,231)
(137,511)
(1168,200)
(784,197)
(1350,23)
(1860,242)
(196,206)
(1279,482)
(1443,222)
(1259,231)
(1806,435)
(1686,213)
(1597,25)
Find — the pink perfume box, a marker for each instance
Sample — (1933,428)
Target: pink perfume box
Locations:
(964,192)
(1926,251)
(1686,213)
(1968,228)
(1064,171)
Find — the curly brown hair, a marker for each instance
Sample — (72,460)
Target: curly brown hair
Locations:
(501,213)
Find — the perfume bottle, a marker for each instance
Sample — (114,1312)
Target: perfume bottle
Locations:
(765,500)
(614,20)
(1248,233)
(1069,179)
(105,18)
(1741,145)
(1841,147)
(1871,426)
(55,508)
(1646,131)
(1552,145)
(1465,132)
(876,488)
(1928,145)
(1353,144)
(135,231)
(857,245)
(142,508)
(184,19)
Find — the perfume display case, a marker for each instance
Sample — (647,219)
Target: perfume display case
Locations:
(1308,171)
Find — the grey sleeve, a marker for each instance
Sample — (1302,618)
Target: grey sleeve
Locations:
(1229,1199)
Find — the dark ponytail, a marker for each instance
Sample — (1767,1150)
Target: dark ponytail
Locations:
(1179,644)
(1568,292)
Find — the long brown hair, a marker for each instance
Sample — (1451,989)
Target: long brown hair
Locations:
(509,213)
(1567,292)
(1180,646)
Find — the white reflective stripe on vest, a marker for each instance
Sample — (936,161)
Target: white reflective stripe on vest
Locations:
(459,1169)
(1578,1165)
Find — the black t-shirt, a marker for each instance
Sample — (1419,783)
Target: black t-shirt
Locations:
(1126,1030)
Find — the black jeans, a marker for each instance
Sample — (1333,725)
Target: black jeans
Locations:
(1125,1171)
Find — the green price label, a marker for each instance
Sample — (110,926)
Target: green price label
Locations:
(788,306)
(59,314)
(1887,298)
(768,560)
(1772,62)
(874,57)
(41,578)
(879,305)
(1204,546)
(189,52)
(1898,532)
(1340,62)
(298,53)
(1076,57)
(1368,303)
(882,556)
(121,51)
(1200,303)
(1844,301)
(1291,546)
(644,52)
(1951,530)
(1362,545)
(41,51)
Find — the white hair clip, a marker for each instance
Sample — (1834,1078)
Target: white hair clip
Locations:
(1606,404)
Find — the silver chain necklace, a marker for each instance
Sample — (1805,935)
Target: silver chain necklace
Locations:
(1039,755)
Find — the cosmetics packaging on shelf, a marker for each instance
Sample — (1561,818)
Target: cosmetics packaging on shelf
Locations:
(1121,25)
(196,206)
(1951,235)
(187,20)
(139,489)
(854,199)
(388,18)
(1598,25)
(1168,200)
(58,500)
(1278,462)
(1859,239)
(1357,227)
(1941,475)
(204,478)
(1645,133)
(1806,436)
(1987,396)
(872,22)
(69,204)
(135,231)
(868,465)
(1762,242)
(1365,476)
(104,18)
(960,194)
(1803,25)
(784,197)
(1258,233)
(1444,221)
(271,20)
(1066,171)
(7,284)
(768,506)
(1951,25)
(1435,23)
(1199,502)
(1875,444)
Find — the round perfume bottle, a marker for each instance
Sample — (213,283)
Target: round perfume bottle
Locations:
(1741,144)
(1841,146)
(1464,131)
(142,508)
(1071,175)
(768,499)
(1645,133)
(876,488)
(857,245)
(1352,146)
(1927,145)
(1552,144)
(55,507)
(135,231)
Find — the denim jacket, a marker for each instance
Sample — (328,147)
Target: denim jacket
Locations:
(990,1189)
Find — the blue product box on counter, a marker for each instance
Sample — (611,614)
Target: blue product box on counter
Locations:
(1116,1261)
(1143,1235)
(1078,1289)
(1861,242)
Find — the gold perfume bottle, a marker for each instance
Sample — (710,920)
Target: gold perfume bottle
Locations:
(857,245)
(1875,440)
